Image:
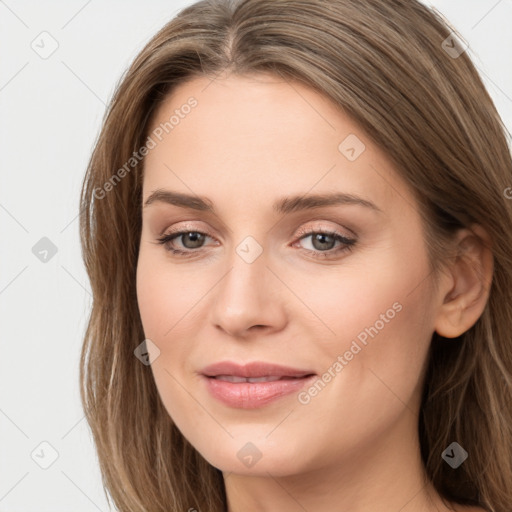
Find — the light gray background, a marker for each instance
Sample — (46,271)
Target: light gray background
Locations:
(50,113)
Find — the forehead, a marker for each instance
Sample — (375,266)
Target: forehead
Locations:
(251,137)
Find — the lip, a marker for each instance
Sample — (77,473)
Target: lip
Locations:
(253,369)
(251,395)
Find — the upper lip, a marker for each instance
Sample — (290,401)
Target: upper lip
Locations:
(253,369)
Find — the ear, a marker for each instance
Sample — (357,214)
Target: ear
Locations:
(466,285)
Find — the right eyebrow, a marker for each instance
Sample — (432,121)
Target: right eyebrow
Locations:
(180,199)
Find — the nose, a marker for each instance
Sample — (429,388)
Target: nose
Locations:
(249,299)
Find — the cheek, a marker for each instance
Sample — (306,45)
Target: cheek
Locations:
(383,322)
(170,302)
(163,299)
(164,295)
(362,293)
(152,299)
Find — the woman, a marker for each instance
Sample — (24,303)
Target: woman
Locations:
(296,226)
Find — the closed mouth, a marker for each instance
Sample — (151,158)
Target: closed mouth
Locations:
(270,378)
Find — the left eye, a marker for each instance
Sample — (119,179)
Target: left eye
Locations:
(322,241)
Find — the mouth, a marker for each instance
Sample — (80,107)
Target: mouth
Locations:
(253,385)
(253,370)
(270,378)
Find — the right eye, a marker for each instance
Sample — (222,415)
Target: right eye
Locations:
(190,240)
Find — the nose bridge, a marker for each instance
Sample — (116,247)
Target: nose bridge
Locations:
(245,297)
(246,282)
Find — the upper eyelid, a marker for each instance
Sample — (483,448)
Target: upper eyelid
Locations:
(305,226)
(302,233)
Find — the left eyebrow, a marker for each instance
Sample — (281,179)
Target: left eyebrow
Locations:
(305,202)
(283,205)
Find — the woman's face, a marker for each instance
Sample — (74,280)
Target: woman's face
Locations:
(251,167)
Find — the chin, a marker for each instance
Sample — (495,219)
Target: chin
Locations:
(256,458)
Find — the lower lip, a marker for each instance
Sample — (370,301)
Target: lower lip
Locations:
(251,395)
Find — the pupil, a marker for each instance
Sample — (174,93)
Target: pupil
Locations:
(320,237)
(196,239)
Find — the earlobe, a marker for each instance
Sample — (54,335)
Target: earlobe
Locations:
(463,301)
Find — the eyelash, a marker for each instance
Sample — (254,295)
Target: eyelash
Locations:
(347,242)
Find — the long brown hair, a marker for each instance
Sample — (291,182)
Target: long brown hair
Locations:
(388,65)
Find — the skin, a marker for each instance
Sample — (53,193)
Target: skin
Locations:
(354,446)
